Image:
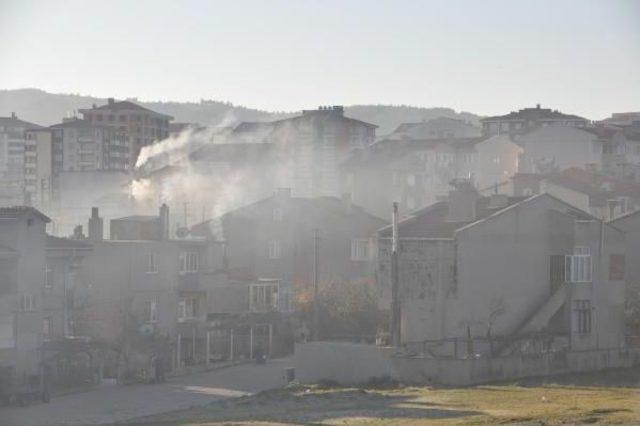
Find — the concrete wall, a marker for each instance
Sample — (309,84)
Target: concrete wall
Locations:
(348,363)
(345,363)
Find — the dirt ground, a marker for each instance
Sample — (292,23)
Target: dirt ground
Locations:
(603,398)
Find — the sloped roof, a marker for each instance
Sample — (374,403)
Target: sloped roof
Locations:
(74,123)
(16,122)
(597,186)
(122,106)
(533,114)
(17,211)
(431,221)
(66,243)
(330,205)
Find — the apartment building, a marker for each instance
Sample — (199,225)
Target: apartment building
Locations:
(12,159)
(502,271)
(528,119)
(417,172)
(310,147)
(139,125)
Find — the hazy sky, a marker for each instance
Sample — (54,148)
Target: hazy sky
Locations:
(485,56)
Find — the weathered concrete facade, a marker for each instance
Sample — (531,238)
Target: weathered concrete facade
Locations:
(494,276)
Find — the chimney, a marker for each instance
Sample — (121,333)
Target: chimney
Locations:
(14,116)
(462,201)
(96,228)
(537,106)
(164,222)
(110,101)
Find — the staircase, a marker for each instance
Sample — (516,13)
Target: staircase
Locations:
(538,320)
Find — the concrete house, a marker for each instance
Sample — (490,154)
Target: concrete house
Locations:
(144,283)
(630,224)
(23,262)
(489,273)
(272,240)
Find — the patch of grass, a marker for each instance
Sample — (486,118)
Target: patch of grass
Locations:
(387,403)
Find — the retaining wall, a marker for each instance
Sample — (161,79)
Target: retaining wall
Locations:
(350,363)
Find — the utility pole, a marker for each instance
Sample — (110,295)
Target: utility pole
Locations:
(185,205)
(316,266)
(395,296)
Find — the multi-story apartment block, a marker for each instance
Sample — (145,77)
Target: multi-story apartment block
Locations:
(89,147)
(12,159)
(140,125)
(417,172)
(529,118)
(310,147)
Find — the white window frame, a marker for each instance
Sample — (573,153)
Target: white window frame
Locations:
(46,327)
(48,276)
(152,317)
(188,262)
(360,250)
(152,263)
(27,302)
(258,293)
(579,265)
(187,308)
(274,249)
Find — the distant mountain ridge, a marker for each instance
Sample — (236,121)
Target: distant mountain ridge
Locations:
(40,107)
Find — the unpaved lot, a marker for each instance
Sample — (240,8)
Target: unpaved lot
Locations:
(608,398)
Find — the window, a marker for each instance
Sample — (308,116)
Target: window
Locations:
(411,203)
(616,267)
(411,180)
(152,265)
(151,311)
(263,297)
(46,327)
(27,303)
(188,261)
(48,276)
(275,251)
(359,249)
(556,271)
(583,316)
(277,214)
(187,308)
(578,265)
